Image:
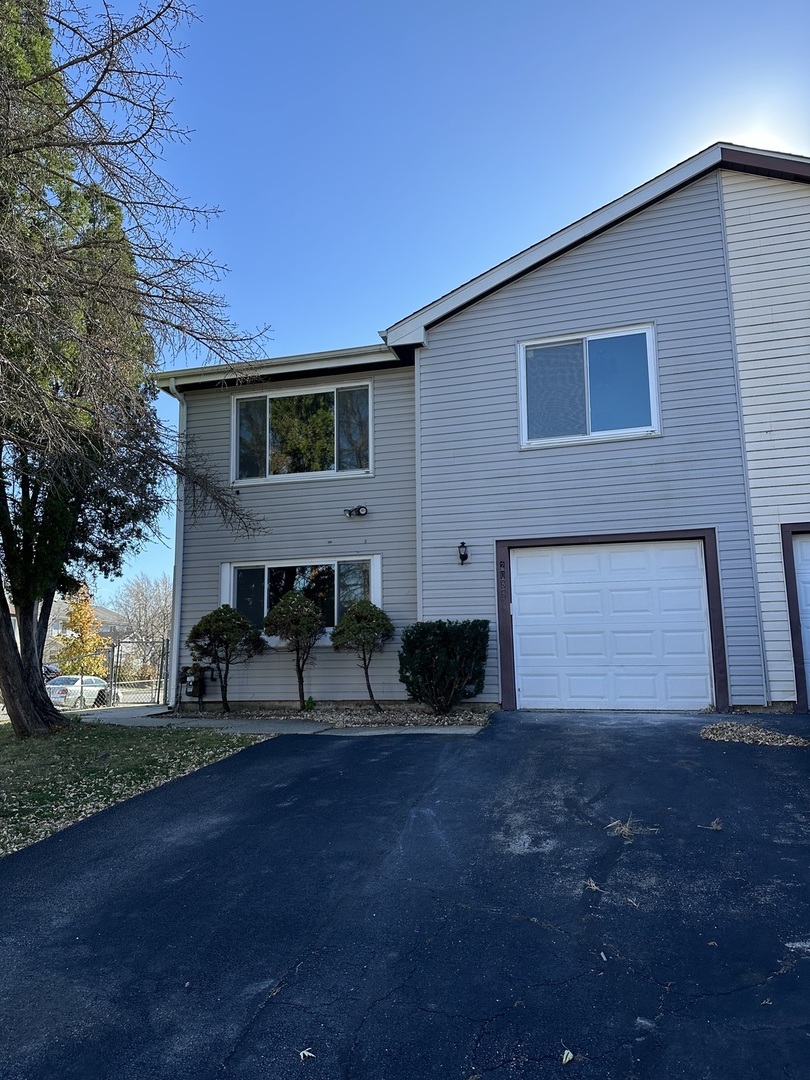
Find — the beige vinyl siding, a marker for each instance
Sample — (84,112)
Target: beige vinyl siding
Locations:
(304,522)
(665,266)
(768,237)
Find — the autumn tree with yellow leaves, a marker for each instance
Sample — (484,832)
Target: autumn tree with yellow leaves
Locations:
(83,648)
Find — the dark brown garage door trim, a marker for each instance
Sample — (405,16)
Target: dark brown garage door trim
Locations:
(504,548)
(794,616)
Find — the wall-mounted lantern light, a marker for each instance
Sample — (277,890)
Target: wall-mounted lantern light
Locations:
(356,511)
(463,554)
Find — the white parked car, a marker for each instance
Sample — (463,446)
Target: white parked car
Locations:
(77,691)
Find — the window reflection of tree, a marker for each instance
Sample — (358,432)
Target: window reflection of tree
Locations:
(252,438)
(353,433)
(249,594)
(317,583)
(353,584)
(302,433)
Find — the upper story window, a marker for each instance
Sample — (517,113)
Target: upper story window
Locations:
(290,433)
(597,386)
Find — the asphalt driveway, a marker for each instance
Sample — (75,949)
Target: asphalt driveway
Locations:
(418,907)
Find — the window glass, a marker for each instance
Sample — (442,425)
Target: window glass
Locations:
(293,434)
(326,584)
(252,421)
(619,383)
(317,583)
(302,433)
(249,590)
(353,584)
(352,411)
(555,391)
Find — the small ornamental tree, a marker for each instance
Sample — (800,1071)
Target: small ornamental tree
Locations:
(222,638)
(83,649)
(298,622)
(442,662)
(364,628)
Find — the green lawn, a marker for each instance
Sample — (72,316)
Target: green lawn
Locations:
(46,784)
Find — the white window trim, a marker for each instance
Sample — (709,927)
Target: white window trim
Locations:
(285,478)
(654,427)
(227,578)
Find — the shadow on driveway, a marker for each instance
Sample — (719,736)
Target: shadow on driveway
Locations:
(414,908)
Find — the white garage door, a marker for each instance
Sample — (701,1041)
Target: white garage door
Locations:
(801,557)
(612,626)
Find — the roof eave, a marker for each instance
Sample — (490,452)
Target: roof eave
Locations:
(306,364)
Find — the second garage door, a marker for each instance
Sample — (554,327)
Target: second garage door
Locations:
(612,626)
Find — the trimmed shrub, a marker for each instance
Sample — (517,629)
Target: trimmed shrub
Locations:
(364,628)
(297,621)
(223,638)
(442,662)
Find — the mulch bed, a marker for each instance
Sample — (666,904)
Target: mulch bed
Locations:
(362,716)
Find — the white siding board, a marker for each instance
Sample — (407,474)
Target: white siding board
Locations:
(305,520)
(664,266)
(768,236)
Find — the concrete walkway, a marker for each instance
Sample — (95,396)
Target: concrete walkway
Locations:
(159,716)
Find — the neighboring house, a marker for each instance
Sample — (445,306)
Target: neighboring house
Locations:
(113,625)
(613,422)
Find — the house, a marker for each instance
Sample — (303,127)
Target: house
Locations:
(612,422)
(113,625)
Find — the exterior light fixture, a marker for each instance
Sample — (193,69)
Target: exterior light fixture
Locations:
(463,554)
(356,511)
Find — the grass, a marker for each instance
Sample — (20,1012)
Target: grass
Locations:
(49,783)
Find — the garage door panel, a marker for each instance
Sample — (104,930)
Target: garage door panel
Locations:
(633,560)
(581,689)
(682,688)
(534,603)
(618,626)
(684,600)
(545,645)
(579,564)
(578,602)
(633,643)
(685,643)
(630,601)
(678,557)
(635,688)
(592,646)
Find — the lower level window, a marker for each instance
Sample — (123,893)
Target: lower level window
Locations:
(332,586)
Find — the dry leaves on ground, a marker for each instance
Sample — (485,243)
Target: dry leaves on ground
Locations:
(729,731)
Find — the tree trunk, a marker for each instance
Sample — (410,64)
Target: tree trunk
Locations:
(222,674)
(30,709)
(372,699)
(299,671)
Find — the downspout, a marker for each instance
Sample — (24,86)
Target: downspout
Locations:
(179,536)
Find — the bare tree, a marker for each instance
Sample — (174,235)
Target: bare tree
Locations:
(146,605)
(93,295)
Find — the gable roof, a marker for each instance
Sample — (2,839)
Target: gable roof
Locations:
(410,333)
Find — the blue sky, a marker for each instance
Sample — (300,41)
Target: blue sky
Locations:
(369,156)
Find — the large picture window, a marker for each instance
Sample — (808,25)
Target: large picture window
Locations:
(332,586)
(594,386)
(287,434)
